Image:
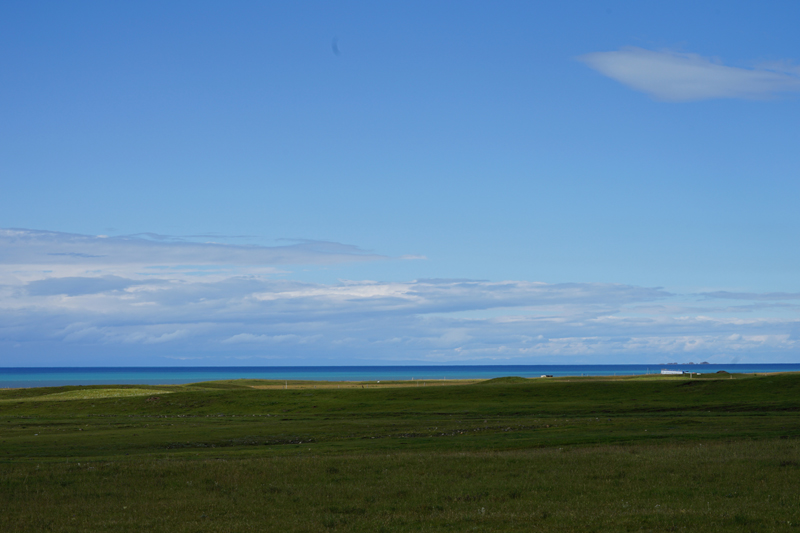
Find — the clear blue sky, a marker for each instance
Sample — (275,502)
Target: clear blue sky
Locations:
(366,182)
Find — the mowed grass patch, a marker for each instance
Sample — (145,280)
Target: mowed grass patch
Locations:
(727,486)
(88,394)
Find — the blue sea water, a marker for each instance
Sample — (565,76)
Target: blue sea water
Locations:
(49,377)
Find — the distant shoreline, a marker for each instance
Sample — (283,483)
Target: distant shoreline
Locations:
(22,377)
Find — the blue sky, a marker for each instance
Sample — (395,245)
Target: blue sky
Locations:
(367,183)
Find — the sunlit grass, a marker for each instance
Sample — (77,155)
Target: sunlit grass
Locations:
(89,394)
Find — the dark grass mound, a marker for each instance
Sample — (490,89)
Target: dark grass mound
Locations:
(225,385)
(505,381)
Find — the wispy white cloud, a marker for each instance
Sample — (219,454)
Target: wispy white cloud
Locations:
(148,314)
(247,338)
(76,286)
(34,247)
(676,76)
(753,296)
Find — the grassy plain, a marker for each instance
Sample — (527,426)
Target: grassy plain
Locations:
(716,453)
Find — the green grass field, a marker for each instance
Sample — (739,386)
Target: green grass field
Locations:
(716,453)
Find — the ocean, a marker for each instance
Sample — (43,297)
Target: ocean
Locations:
(50,377)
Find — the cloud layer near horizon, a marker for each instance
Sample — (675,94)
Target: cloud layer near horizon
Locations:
(67,294)
(680,77)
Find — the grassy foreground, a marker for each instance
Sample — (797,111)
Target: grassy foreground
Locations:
(584,454)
